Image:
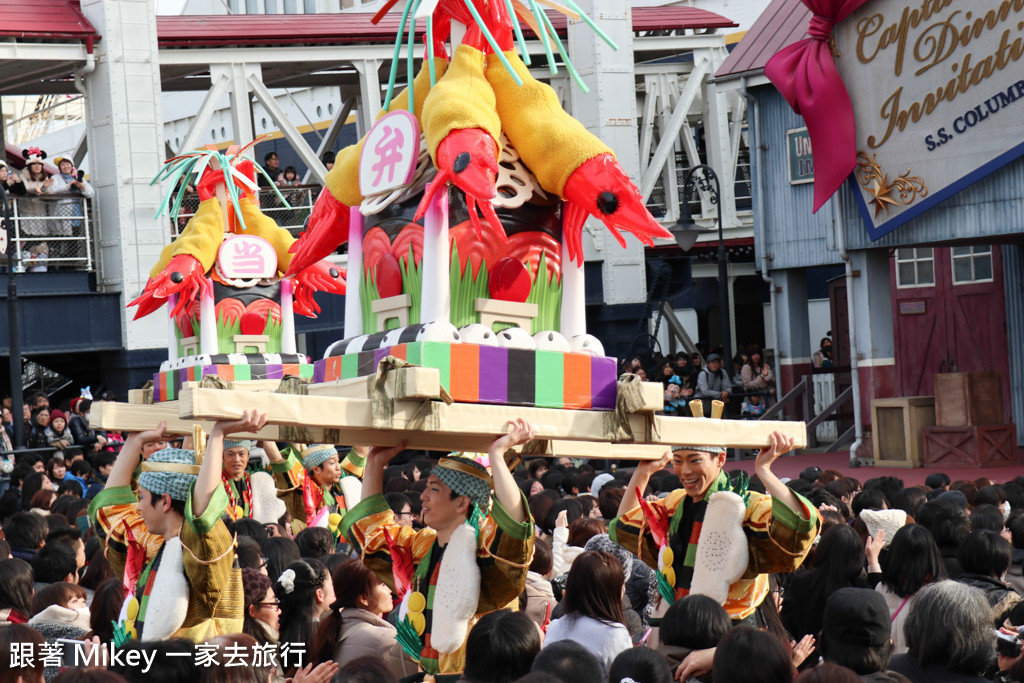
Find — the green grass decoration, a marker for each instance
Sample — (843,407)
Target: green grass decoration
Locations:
(367,295)
(465,290)
(546,292)
(412,284)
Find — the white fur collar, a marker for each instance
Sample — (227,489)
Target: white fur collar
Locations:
(457,592)
(168,601)
(722,551)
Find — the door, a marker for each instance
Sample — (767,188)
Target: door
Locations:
(949,315)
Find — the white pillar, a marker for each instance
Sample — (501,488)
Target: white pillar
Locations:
(208,322)
(354,280)
(287,318)
(574,311)
(435,304)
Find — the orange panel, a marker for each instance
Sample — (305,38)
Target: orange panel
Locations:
(465,372)
(576,382)
(398,351)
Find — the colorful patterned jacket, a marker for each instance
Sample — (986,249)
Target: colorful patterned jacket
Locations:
(778,540)
(504,553)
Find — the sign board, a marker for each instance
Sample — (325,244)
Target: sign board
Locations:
(390,154)
(247,257)
(798,153)
(938,97)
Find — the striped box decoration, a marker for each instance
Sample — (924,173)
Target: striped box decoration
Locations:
(490,374)
(167,384)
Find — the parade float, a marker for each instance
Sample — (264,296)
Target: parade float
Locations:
(463,209)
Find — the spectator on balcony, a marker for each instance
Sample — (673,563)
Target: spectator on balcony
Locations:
(757,375)
(11,182)
(289,178)
(85,436)
(328,159)
(31,209)
(37,434)
(272,165)
(71,210)
(58,434)
(822,358)
(713,383)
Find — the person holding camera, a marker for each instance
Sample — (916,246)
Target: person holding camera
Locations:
(67,182)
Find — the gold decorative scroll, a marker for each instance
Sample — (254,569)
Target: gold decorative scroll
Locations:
(901,191)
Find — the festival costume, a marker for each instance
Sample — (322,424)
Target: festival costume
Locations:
(503,551)
(777,538)
(199,588)
(251,495)
(305,499)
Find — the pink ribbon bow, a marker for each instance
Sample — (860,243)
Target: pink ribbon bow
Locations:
(806,75)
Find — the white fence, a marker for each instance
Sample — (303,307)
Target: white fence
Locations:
(52,232)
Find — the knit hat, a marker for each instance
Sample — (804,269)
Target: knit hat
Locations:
(599,481)
(466,478)
(889,520)
(956,497)
(317,454)
(171,471)
(604,543)
(247,444)
(54,414)
(33,155)
(855,617)
(714,450)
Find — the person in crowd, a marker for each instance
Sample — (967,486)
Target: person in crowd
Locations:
(272,166)
(280,552)
(26,534)
(323,488)
(713,383)
(822,358)
(738,651)
(40,420)
(262,608)
(105,609)
(304,592)
(16,591)
(592,608)
(58,434)
(757,375)
(10,180)
(176,518)
(692,623)
(289,178)
(31,209)
(56,468)
(328,159)
(639,664)
(67,212)
(837,563)
(567,661)
(493,551)
(87,438)
(104,465)
(355,626)
(949,635)
(780,527)
(914,561)
(856,634)
(538,598)
(17,635)
(985,556)
(501,648)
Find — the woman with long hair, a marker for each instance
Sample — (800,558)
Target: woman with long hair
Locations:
(355,626)
(262,617)
(304,591)
(56,468)
(30,672)
(914,561)
(837,563)
(16,591)
(592,608)
(105,609)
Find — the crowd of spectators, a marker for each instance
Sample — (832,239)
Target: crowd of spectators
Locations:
(919,583)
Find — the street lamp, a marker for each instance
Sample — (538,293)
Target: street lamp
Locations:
(706,180)
(13,323)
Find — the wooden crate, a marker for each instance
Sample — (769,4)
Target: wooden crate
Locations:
(896,429)
(965,399)
(976,446)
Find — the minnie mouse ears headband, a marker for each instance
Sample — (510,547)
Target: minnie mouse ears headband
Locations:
(33,155)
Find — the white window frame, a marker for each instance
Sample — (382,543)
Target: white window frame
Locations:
(916,259)
(972,257)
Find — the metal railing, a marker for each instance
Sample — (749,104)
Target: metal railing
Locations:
(292,217)
(53,232)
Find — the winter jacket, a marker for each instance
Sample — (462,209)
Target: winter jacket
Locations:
(365,634)
(1005,602)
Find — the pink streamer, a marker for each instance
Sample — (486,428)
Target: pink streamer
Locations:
(806,75)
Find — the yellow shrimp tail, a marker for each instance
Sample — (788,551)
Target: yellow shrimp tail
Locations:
(551,143)
(462,100)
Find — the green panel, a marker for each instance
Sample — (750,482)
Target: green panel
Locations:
(438,355)
(414,353)
(171,391)
(349,366)
(243,372)
(306,370)
(549,379)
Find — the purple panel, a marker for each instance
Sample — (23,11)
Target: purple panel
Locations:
(493,375)
(602,382)
(319,371)
(379,355)
(156,388)
(275,371)
(209,370)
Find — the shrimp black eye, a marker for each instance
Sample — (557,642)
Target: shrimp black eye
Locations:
(607,202)
(461,162)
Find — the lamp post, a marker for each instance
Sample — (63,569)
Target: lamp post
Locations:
(13,325)
(706,180)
